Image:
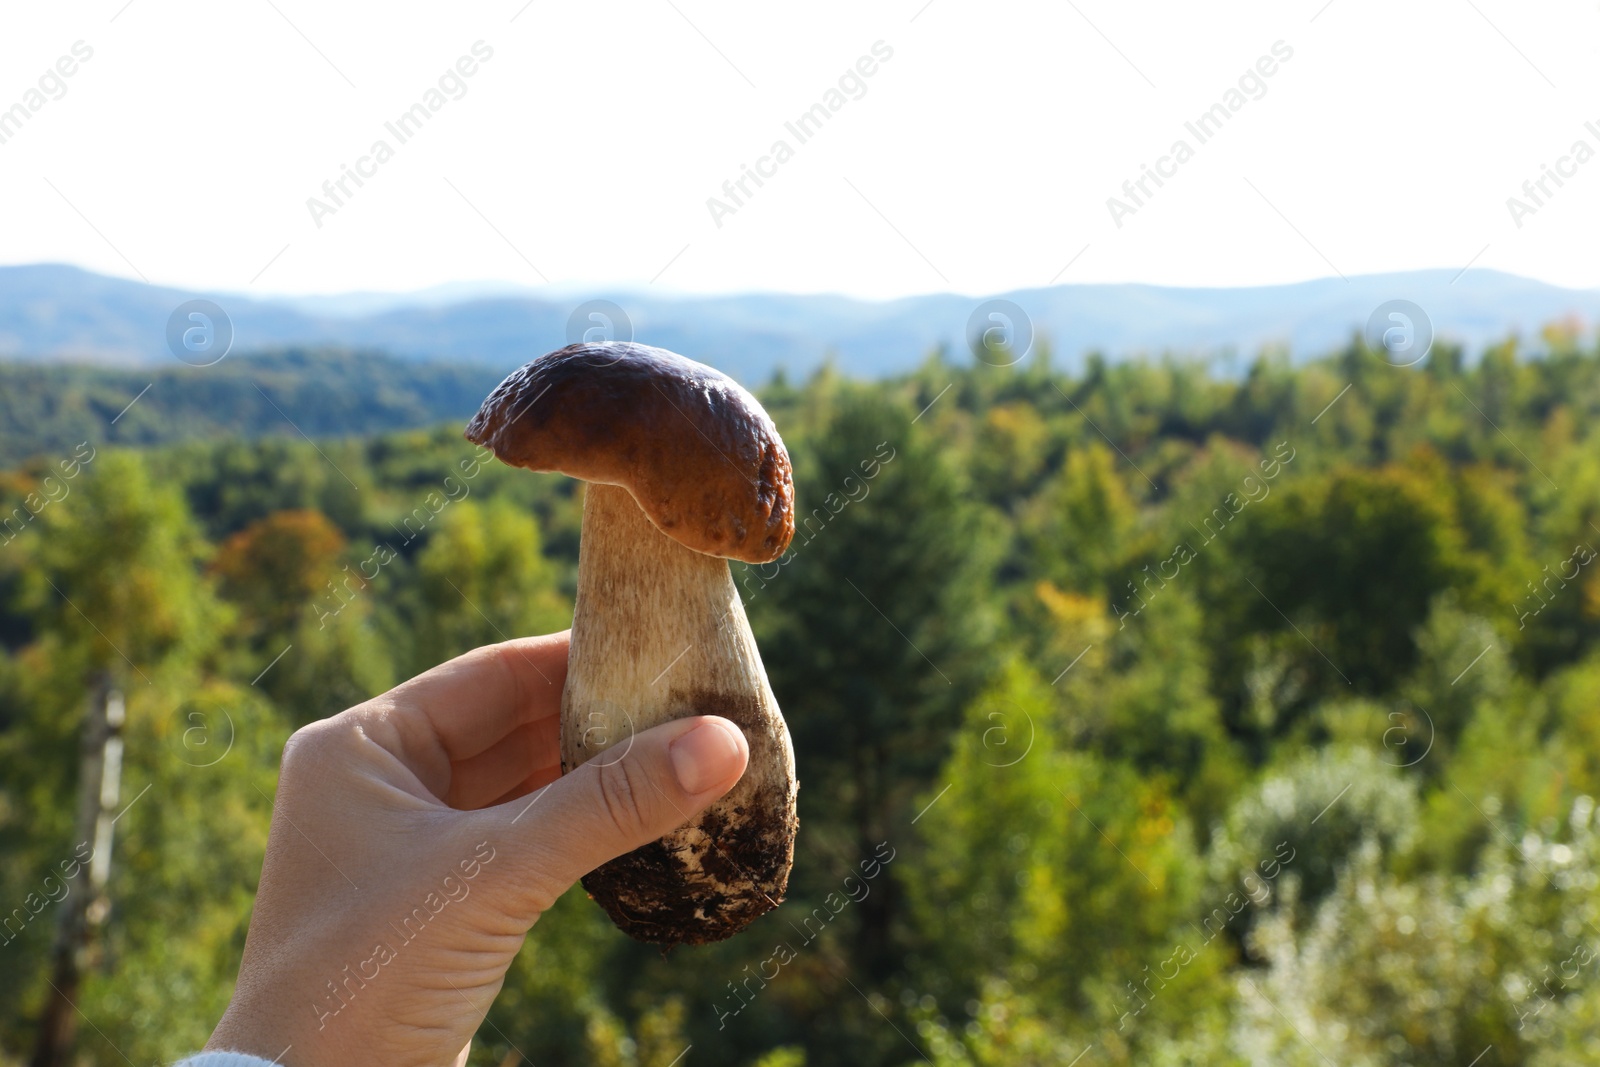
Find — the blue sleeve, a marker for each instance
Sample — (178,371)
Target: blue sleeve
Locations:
(226,1059)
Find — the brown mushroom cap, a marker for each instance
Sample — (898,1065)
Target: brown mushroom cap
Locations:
(697,451)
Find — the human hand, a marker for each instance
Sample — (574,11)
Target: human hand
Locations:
(417,837)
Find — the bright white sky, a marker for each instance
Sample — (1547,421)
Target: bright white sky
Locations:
(979,159)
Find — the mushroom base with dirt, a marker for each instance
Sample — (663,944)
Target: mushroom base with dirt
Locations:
(659,633)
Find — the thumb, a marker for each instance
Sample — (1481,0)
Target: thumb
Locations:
(625,797)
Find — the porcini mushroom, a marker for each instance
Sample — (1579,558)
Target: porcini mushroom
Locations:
(685,471)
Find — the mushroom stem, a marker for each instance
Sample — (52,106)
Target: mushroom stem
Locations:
(659,633)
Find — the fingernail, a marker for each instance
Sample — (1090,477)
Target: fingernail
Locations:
(705,756)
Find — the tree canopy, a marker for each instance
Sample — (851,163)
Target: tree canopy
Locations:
(1143,715)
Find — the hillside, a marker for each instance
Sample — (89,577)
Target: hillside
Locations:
(47,408)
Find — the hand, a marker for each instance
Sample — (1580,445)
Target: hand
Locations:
(416,838)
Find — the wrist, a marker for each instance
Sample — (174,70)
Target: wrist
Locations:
(278,1029)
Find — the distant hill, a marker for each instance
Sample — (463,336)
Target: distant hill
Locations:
(47,408)
(60,313)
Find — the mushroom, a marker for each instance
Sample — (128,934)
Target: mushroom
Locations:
(685,470)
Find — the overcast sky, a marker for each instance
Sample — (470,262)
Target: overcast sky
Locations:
(977,156)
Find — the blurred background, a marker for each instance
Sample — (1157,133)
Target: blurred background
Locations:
(1192,622)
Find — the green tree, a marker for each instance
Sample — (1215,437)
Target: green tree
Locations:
(874,621)
(1079,527)
(1056,871)
(481,578)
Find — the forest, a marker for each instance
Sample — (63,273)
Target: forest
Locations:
(1143,715)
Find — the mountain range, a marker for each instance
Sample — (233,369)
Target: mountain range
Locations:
(57,313)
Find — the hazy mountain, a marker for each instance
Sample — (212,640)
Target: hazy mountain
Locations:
(59,313)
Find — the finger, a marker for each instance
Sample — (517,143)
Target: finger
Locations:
(491,774)
(461,708)
(535,781)
(613,804)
